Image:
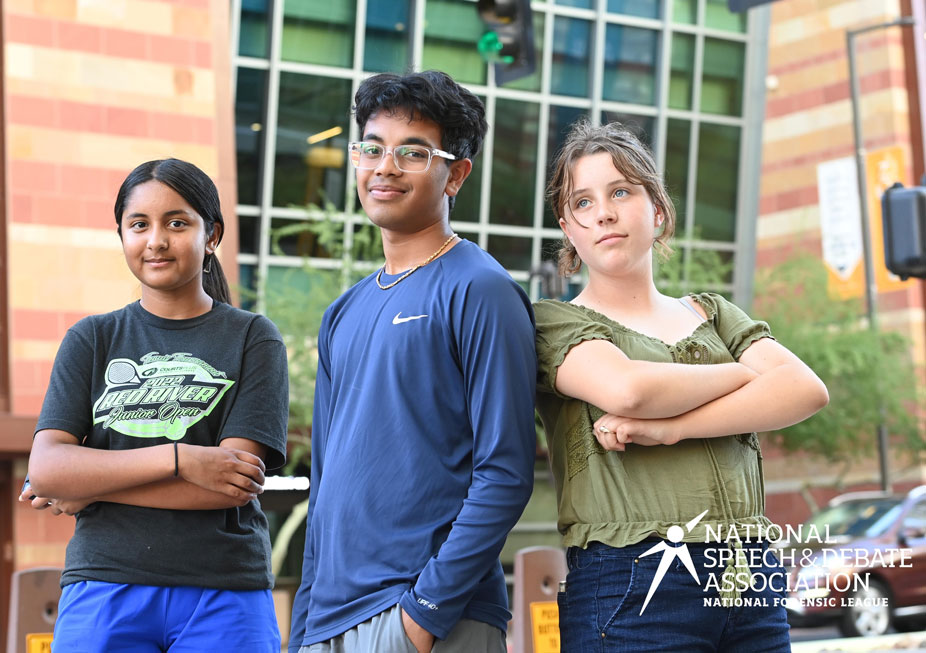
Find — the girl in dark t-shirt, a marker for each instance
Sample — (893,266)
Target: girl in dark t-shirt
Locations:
(158,424)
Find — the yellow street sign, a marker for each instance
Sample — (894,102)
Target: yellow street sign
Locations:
(38,643)
(545,626)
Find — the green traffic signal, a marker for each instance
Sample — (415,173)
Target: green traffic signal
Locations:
(490,47)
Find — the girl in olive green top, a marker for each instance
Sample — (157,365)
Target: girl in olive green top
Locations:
(624,369)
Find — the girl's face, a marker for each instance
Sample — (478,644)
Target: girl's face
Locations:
(611,222)
(164,239)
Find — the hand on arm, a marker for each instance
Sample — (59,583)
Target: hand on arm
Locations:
(785,392)
(210,477)
(56,506)
(61,468)
(597,372)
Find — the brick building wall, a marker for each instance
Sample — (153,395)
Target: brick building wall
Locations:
(808,121)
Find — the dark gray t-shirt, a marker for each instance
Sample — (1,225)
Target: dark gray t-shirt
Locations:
(129,379)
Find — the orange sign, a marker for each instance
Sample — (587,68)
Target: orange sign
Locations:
(882,168)
(545,626)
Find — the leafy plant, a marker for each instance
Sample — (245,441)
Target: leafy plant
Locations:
(863,370)
(706,271)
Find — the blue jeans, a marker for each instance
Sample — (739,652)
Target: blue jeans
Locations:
(600,611)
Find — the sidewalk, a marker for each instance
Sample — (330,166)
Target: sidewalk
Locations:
(908,642)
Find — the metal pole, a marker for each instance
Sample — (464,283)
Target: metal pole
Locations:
(871,286)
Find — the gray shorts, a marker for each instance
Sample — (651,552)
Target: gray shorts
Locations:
(385,633)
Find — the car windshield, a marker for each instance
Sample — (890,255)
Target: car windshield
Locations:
(855,518)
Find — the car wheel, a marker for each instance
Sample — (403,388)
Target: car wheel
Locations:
(870,613)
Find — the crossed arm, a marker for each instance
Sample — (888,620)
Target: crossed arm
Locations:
(66,477)
(662,403)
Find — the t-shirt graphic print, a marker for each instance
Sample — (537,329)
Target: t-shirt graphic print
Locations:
(162,395)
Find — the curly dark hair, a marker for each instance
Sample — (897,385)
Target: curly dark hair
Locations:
(430,95)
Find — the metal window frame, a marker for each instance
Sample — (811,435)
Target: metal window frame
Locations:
(479,230)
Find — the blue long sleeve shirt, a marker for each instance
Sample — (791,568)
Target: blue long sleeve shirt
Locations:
(422,448)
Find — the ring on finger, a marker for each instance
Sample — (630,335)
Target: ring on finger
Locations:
(604,429)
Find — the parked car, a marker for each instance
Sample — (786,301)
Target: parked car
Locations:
(868,572)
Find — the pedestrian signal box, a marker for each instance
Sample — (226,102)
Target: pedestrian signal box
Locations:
(903,212)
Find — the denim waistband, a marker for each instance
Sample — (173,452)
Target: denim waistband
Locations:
(634,549)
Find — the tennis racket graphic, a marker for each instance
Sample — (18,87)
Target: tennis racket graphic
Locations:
(121,371)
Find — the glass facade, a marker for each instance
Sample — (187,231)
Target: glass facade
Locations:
(672,70)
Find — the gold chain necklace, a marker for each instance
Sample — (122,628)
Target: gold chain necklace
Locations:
(420,265)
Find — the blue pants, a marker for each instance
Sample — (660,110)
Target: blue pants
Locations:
(112,617)
(600,611)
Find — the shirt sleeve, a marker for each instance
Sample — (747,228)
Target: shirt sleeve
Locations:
(494,332)
(320,420)
(737,330)
(560,327)
(260,411)
(67,405)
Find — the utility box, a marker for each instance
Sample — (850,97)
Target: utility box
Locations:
(903,212)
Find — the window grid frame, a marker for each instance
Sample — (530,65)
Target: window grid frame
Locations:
(594,105)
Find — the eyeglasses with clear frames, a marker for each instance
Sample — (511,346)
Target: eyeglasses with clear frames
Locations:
(367,155)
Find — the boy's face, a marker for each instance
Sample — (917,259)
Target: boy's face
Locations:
(407,201)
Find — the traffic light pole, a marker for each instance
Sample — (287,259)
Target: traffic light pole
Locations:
(871,286)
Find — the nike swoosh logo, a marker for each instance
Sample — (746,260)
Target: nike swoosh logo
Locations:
(399,320)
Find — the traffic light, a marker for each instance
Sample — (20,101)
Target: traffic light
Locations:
(903,213)
(509,38)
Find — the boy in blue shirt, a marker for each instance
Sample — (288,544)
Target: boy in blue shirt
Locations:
(423,431)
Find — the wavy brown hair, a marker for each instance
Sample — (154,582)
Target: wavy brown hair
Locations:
(631,157)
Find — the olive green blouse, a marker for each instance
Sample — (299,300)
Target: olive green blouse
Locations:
(620,498)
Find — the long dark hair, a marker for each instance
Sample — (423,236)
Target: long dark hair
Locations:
(194,186)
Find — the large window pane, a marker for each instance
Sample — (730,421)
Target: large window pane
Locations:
(681,77)
(387,35)
(630,56)
(513,164)
(643,127)
(248,233)
(715,197)
(466,207)
(644,8)
(678,134)
(572,42)
(722,82)
(250,107)
(247,286)
(312,131)
(582,4)
(532,82)
(513,252)
(254,28)
(685,11)
(294,237)
(718,16)
(451,31)
(319,31)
